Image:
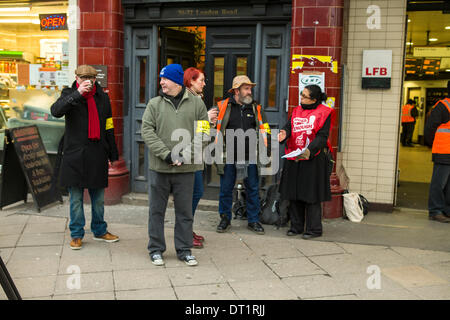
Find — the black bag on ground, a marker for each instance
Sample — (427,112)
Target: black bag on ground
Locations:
(270,213)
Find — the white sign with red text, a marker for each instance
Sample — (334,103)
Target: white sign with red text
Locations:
(377,63)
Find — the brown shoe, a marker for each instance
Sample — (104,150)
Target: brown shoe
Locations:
(75,244)
(108,237)
(440,218)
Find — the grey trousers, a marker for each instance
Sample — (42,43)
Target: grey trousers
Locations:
(160,186)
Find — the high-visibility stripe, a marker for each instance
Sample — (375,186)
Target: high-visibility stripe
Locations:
(441,143)
(222,108)
(262,128)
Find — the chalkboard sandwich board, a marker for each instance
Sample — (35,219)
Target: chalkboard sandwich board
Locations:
(26,166)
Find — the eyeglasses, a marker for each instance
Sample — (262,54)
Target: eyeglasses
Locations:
(304,96)
(87,77)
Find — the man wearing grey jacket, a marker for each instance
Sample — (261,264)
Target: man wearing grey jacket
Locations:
(174,113)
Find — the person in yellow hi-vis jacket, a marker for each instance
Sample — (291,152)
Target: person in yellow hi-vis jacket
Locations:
(173,113)
(88,145)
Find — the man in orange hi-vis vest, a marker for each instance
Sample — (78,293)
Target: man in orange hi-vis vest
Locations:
(409,114)
(242,118)
(437,134)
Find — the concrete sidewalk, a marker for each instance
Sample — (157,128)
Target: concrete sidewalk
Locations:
(343,264)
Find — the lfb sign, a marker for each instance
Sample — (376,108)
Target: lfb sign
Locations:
(376,69)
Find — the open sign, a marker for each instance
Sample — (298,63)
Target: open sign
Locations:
(55,21)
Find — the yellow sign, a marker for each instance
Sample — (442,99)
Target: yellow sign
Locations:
(202,126)
(325,59)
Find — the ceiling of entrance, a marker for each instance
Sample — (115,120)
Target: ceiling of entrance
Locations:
(433,21)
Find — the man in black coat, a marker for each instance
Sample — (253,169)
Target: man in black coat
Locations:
(437,134)
(88,144)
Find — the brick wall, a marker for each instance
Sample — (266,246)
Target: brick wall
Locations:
(317,27)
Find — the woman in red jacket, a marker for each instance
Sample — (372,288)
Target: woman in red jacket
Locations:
(305,180)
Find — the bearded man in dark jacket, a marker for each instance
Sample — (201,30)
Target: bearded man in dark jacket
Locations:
(88,144)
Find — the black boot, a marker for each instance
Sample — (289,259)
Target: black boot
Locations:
(224,224)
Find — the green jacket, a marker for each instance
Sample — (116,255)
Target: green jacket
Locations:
(161,119)
(226,118)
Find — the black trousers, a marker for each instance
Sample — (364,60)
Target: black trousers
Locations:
(407,133)
(307,215)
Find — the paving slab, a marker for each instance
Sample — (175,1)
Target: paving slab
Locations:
(59,227)
(35,287)
(141,279)
(9,229)
(40,239)
(423,257)
(414,276)
(441,292)
(198,275)
(340,263)
(88,283)
(292,267)
(147,294)
(9,241)
(86,296)
(92,257)
(273,289)
(246,272)
(219,291)
(317,286)
(34,261)
(311,248)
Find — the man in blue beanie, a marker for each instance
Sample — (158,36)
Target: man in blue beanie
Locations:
(171,170)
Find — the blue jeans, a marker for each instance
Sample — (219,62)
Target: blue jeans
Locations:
(198,190)
(439,195)
(227,181)
(77,220)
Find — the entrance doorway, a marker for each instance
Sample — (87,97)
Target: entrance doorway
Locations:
(425,83)
(256,50)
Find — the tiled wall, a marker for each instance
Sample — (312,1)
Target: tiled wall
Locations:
(101,42)
(371,117)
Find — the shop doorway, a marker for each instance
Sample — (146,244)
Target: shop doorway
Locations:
(222,52)
(425,82)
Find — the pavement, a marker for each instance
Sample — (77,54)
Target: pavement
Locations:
(400,255)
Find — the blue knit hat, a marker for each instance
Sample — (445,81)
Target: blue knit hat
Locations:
(173,72)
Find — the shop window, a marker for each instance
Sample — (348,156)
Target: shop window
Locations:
(142,79)
(34,67)
(272,83)
(219,63)
(141,157)
(241,66)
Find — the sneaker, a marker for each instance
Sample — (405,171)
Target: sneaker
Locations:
(108,237)
(190,260)
(224,224)
(157,259)
(75,244)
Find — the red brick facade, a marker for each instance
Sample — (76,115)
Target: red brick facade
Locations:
(101,41)
(317,27)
